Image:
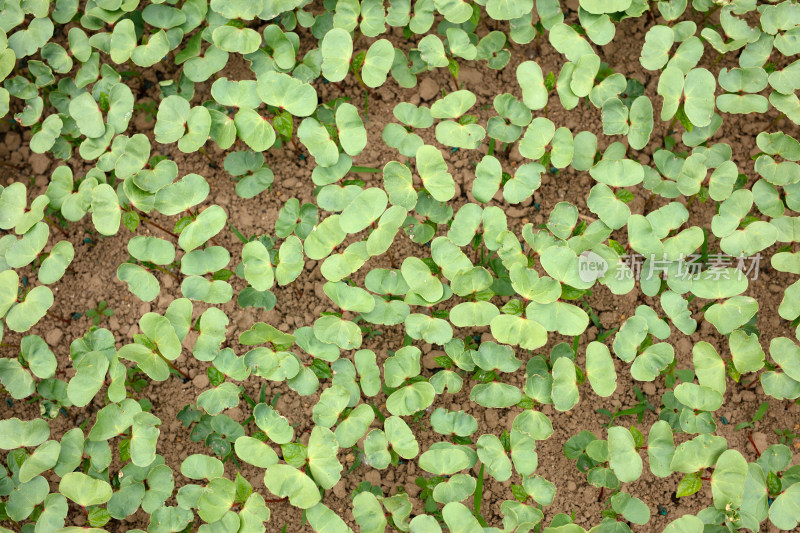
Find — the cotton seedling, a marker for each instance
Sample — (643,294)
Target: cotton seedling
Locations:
(154,116)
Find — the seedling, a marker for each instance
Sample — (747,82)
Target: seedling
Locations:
(148,108)
(639,409)
(757,416)
(787,436)
(97,314)
(436,245)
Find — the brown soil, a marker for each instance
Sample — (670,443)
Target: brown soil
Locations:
(92,278)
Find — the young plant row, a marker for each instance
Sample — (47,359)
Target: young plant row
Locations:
(473,269)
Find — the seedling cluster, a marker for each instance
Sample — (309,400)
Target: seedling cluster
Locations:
(409,247)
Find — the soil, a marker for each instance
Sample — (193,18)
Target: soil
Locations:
(92,278)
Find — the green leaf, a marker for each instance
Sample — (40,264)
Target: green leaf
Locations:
(17,433)
(688,485)
(698,453)
(87,115)
(783,511)
(257,267)
(84,490)
(352,134)
(495,395)
(286,481)
(25,497)
(565,390)
(38,356)
(687,523)
(699,89)
(239,40)
(377,63)
(600,369)
(181,195)
(698,397)
(334,330)
(670,86)
(140,282)
(718,283)
(508,10)
(13,202)
(318,141)
(217,399)
(16,379)
(22,252)
(531,80)
(443,458)
(321,518)
(708,366)
(746,351)
(569,42)
(201,229)
(455,489)
(368,513)
(459,518)
(453,105)
(144,436)
(632,509)
(198,466)
(45,138)
(514,330)
(411,398)
(284,91)
(657,43)
(728,480)
(153,51)
(336,48)
(90,372)
(322,462)
(152,250)
(433,172)
(598,7)
(622,454)
(660,448)
(654,359)
(641,122)
(24,315)
(254,130)
(255,452)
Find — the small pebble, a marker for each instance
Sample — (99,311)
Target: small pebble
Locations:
(40,163)
(428,89)
(200,381)
(54,336)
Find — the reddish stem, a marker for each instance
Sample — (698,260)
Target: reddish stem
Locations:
(391,259)
(56,226)
(147,220)
(175,368)
(62,319)
(750,437)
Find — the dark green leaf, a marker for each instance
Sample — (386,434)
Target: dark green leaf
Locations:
(215,377)
(689,485)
